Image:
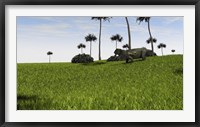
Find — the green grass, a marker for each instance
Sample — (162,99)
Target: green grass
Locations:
(153,84)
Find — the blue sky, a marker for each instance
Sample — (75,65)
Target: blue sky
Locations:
(61,35)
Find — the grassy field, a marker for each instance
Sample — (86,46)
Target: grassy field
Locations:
(153,84)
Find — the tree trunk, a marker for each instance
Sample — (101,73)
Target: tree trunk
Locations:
(90,48)
(129,33)
(151,39)
(81,50)
(162,50)
(100,40)
(49,58)
(116,44)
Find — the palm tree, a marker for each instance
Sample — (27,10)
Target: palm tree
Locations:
(100,20)
(129,33)
(117,38)
(173,50)
(126,46)
(90,38)
(147,19)
(81,46)
(49,53)
(154,40)
(161,45)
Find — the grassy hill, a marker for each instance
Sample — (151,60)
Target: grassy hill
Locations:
(153,84)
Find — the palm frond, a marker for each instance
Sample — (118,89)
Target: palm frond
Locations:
(102,18)
(90,37)
(147,19)
(173,50)
(162,45)
(154,40)
(116,37)
(49,53)
(149,40)
(81,45)
(141,19)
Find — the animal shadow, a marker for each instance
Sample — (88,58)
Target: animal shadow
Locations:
(32,102)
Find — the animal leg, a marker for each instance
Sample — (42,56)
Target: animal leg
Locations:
(129,58)
(143,55)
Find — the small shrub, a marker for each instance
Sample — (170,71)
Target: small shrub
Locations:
(82,58)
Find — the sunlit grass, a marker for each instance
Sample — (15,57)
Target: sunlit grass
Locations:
(153,84)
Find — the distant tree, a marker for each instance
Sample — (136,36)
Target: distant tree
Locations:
(147,19)
(49,53)
(150,40)
(91,38)
(81,46)
(129,32)
(100,20)
(126,46)
(173,50)
(117,38)
(161,46)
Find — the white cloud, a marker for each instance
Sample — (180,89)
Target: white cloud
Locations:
(169,20)
(138,28)
(53,19)
(43,30)
(91,27)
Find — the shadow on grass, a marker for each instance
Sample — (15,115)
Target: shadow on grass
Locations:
(94,63)
(179,71)
(32,102)
(106,62)
(25,97)
(134,61)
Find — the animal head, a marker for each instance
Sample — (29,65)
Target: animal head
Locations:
(118,51)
